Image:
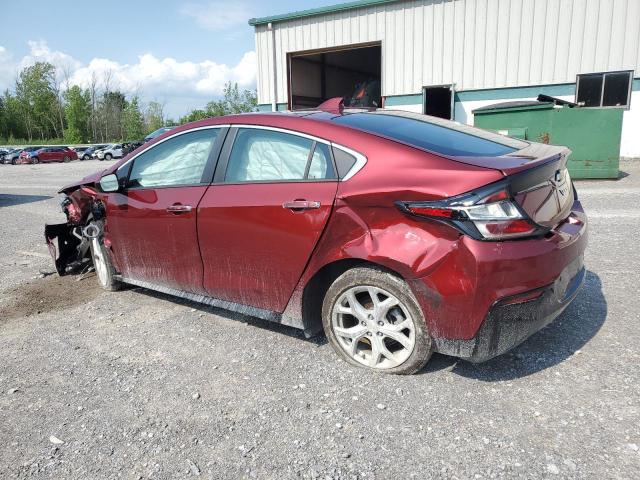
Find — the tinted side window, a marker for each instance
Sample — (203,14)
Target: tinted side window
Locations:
(344,161)
(178,161)
(435,135)
(263,155)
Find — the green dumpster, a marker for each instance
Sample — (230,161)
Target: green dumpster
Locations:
(593,134)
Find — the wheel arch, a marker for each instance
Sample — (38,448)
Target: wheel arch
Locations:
(316,287)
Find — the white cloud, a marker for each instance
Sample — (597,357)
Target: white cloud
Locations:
(165,79)
(39,51)
(217,15)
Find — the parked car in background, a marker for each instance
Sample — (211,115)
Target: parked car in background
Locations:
(90,152)
(396,233)
(12,156)
(79,151)
(48,154)
(110,152)
(157,133)
(26,154)
(129,147)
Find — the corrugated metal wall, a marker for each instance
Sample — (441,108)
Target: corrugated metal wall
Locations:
(472,43)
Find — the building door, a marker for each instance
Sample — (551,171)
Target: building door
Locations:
(438,101)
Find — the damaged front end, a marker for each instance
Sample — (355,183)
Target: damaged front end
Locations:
(84,212)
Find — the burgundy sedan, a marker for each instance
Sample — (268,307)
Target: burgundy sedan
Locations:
(396,234)
(48,154)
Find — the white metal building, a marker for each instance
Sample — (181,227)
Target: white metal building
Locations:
(449,57)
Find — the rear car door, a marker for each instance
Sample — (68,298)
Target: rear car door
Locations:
(260,221)
(151,223)
(46,155)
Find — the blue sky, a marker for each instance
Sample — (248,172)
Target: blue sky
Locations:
(177,52)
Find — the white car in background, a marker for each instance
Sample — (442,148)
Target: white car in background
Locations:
(110,152)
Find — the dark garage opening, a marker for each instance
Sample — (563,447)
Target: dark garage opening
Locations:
(437,101)
(351,72)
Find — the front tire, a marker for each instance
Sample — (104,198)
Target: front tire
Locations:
(372,319)
(66,159)
(108,156)
(86,157)
(103,266)
(34,160)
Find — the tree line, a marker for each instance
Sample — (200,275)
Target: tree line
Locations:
(45,108)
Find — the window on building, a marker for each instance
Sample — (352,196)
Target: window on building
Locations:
(609,89)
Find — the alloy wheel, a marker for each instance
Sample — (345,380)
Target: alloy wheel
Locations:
(373,327)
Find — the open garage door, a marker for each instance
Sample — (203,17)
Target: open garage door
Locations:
(352,72)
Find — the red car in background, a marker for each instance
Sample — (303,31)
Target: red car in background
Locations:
(48,154)
(397,234)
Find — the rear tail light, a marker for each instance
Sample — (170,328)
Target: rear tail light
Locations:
(492,215)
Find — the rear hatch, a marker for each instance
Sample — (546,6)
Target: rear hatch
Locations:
(538,178)
(536,173)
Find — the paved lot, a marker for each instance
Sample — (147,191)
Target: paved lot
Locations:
(136,385)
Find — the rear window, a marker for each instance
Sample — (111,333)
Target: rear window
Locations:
(435,135)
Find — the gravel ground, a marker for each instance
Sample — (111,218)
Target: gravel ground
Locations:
(135,384)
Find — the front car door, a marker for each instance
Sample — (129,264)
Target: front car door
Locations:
(261,219)
(151,223)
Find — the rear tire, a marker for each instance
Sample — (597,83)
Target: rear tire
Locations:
(86,157)
(387,333)
(34,160)
(103,266)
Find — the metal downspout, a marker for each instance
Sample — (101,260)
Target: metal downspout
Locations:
(274,91)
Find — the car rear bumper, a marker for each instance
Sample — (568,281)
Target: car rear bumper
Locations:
(508,324)
(487,297)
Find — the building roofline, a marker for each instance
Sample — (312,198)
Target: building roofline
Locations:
(317,11)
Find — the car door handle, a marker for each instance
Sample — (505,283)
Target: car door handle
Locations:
(178,208)
(301,205)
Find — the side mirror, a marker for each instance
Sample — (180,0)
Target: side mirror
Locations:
(109,183)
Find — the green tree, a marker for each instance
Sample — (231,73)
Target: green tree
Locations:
(13,124)
(154,116)
(233,101)
(109,113)
(77,110)
(36,92)
(132,121)
(193,116)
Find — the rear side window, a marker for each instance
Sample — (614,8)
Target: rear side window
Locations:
(438,136)
(266,155)
(178,161)
(320,164)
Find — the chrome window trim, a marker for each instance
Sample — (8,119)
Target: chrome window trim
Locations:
(361,160)
(283,130)
(207,127)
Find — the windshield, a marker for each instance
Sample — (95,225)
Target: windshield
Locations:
(433,134)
